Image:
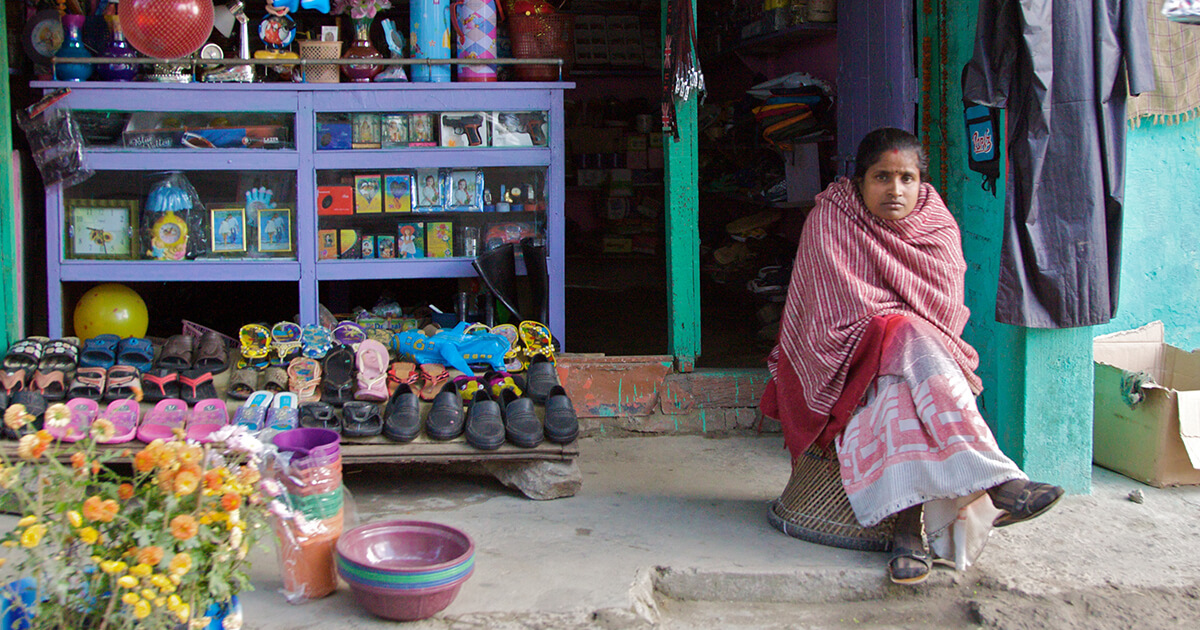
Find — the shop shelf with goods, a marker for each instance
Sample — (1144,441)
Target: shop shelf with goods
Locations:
(275,151)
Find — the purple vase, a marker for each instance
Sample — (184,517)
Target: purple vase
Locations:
(361,48)
(117,48)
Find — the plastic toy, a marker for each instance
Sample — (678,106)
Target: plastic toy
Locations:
(455,348)
(111,308)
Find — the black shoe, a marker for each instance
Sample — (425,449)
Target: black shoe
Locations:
(402,419)
(445,421)
(540,376)
(562,426)
(521,424)
(484,427)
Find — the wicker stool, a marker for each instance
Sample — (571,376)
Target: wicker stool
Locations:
(814,507)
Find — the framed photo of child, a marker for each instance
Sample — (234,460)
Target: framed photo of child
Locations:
(465,191)
(428,186)
(228,230)
(275,230)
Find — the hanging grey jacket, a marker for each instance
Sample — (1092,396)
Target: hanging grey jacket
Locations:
(1062,69)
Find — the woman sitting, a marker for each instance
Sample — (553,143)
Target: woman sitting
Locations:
(870,359)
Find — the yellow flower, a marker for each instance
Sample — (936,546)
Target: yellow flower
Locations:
(148,594)
(74,518)
(127,581)
(162,583)
(32,536)
(103,429)
(141,570)
(174,602)
(57,415)
(141,610)
(89,535)
(183,612)
(190,454)
(181,563)
(8,543)
(15,417)
(26,521)
(130,598)
(8,476)
(160,601)
(3,561)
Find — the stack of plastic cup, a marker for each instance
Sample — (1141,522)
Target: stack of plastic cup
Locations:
(312,481)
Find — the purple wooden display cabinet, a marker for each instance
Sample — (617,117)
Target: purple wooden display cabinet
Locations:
(306,102)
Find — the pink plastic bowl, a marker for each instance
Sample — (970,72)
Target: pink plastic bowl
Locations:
(405,546)
(404,605)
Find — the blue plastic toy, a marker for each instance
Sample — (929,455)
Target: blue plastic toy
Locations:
(455,348)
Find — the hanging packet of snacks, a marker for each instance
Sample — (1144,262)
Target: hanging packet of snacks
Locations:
(55,141)
(681,67)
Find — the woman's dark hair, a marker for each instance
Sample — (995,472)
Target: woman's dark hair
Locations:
(874,144)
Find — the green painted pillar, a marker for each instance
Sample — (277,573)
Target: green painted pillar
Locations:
(683,232)
(1037,383)
(8,209)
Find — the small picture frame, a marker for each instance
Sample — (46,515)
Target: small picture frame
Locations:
(367,196)
(397,192)
(439,239)
(410,240)
(275,230)
(364,132)
(385,246)
(327,244)
(367,245)
(422,132)
(395,131)
(464,192)
(428,186)
(228,230)
(101,229)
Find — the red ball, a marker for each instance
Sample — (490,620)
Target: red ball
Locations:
(166,28)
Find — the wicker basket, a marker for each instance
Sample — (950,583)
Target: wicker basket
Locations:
(549,36)
(316,49)
(814,507)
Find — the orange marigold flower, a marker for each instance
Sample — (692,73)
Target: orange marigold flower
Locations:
(186,482)
(39,449)
(92,509)
(231,501)
(44,436)
(212,478)
(166,457)
(190,454)
(125,491)
(150,555)
(184,527)
(249,475)
(78,459)
(144,461)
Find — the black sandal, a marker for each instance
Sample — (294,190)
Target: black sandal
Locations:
(1022,503)
(361,419)
(910,575)
(319,415)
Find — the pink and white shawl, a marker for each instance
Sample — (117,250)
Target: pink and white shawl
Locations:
(852,266)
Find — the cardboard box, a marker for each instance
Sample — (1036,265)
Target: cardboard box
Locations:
(332,136)
(335,200)
(1156,439)
(367,197)
(157,130)
(327,248)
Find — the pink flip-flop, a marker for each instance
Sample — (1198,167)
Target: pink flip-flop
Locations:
(123,414)
(83,412)
(208,416)
(161,421)
(372,359)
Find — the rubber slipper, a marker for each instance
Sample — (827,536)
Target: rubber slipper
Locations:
(177,352)
(536,339)
(371,359)
(467,386)
(361,419)
(82,412)
(59,354)
(159,384)
(349,334)
(402,416)
(401,373)
(253,413)
(26,354)
(316,341)
(256,345)
(432,376)
(196,385)
(137,352)
(242,383)
(208,415)
(1029,502)
(912,575)
(161,421)
(445,421)
(338,384)
(512,358)
(211,352)
(497,382)
(99,351)
(285,339)
(123,414)
(275,379)
(90,382)
(260,398)
(304,378)
(484,426)
(52,384)
(284,412)
(319,415)
(13,381)
(561,423)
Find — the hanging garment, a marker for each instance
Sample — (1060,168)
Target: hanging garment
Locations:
(1062,69)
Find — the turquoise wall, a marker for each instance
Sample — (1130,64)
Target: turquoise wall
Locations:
(1160,269)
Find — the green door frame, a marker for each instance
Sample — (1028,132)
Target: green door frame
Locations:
(8,209)
(682,231)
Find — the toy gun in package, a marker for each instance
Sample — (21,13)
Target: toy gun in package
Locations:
(468,126)
(531,123)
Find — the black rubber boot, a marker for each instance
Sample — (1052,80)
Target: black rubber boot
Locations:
(534,250)
(497,268)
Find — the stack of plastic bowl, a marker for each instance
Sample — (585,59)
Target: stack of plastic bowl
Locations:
(312,481)
(405,570)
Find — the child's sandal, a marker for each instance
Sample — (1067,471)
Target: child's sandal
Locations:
(316,341)
(256,344)
(304,378)
(285,339)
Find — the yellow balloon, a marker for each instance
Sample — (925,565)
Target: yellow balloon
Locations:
(111,308)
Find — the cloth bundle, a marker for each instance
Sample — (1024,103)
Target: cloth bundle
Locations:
(793,114)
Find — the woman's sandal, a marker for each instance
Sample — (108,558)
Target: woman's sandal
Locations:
(512,358)
(304,378)
(59,354)
(123,382)
(136,352)
(401,373)
(319,415)
(176,353)
(536,338)
(372,361)
(212,353)
(256,345)
(52,385)
(196,385)
(285,339)
(26,354)
(338,383)
(349,333)
(89,382)
(911,574)
(275,379)
(361,419)
(433,374)
(1023,500)
(316,341)
(13,381)
(242,383)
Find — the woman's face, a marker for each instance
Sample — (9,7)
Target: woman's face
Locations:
(891,185)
